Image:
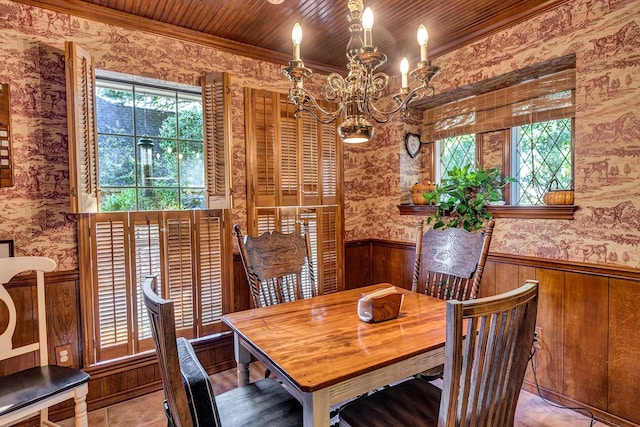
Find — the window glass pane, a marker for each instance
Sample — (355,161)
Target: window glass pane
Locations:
(118,199)
(192,199)
(542,160)
(155,113)
(114,107)
(456,151)
(117,161)
(190,118)
(191,164)
(156,199)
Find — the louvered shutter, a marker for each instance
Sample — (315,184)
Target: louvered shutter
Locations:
(216,111)
(180,278)
(261,155)
(83,173)
(145,247)
(293,175)
(111,285)
(213,252)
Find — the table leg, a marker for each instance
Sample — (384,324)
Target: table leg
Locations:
(243,358)
(315,409)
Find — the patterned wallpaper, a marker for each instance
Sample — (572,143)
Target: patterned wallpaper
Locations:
(604,34)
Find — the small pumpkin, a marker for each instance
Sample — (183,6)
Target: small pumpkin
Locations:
(419,189)
(557,197)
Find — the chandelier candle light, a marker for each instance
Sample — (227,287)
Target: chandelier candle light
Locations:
(356,93)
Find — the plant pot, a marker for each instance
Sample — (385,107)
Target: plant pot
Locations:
(419,189)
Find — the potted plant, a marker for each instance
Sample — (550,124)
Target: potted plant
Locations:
(462,198)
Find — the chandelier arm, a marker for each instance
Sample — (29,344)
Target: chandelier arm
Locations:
(403,100)
(302,97)
(331,117)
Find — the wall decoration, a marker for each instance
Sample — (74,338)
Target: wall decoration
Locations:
(6,248)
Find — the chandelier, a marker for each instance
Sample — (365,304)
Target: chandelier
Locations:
(357,93)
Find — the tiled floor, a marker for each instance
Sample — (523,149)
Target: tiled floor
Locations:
(147,411)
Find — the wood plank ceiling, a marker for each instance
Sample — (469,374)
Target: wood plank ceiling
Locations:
(262,30)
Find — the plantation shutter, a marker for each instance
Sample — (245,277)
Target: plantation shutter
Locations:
(110,284)
(216,111)
(294,175)
(83,173)
(213,252)
(184,249)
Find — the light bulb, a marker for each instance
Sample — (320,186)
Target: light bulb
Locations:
(367,24)
(367,19)
(404,69)
(296,37)
(423,38)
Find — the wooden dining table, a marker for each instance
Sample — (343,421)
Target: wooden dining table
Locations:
(324,354)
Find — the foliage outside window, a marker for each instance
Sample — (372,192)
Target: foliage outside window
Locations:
(150,147)
(455,152)
(542,159)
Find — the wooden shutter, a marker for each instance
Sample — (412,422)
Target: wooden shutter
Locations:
(147,260)
(216,111)
(83,169)
(294,174)
(111,285)
(213,250)
(186,250)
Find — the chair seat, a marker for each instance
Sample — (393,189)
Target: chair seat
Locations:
(264,403)
(33,385)
(415,402)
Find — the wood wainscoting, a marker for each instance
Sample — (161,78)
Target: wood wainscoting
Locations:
(112,382)
(588,321)
(588,317)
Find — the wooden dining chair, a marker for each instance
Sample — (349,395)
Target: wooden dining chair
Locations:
(188,390)
(276,265)
(32,391)
(488,343)
(449,263)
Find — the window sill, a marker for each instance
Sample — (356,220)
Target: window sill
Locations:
(506,211)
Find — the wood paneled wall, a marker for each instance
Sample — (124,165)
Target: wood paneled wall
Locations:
(588,321)
(110,383)
(588,318)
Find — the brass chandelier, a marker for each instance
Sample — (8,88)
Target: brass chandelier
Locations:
(357,93)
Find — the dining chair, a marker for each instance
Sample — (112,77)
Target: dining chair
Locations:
(189,397)
(278,266)
(30,392)
(449,263)
(487,348)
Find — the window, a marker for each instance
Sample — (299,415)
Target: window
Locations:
(294,174)
(455,151)
(149,153)
(526,130)
(150,144)
(542,158)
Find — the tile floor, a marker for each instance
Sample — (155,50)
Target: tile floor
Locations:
(147,411)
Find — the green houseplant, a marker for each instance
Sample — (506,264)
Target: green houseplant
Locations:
(462,197)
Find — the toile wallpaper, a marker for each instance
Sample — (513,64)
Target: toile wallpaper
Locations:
(604,34)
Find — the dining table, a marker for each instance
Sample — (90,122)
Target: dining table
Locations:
(323,354)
